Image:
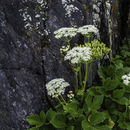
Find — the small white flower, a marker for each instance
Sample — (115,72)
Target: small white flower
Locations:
(70,95)
(126,82)
(87,29)
(56,87)
(126,79)
(78,54)
(65,33)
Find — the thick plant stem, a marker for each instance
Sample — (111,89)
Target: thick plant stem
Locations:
(85,81)
(86,76)
(76,77)
(80,76)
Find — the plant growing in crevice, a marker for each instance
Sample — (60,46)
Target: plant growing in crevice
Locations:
(104,107)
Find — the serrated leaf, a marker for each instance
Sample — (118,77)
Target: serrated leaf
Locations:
(118,93)
(58,120)
(86,125)
(94,102)
(34,120)
(109,84)
(98,117)
(50,114)
(43,117)
(123,101)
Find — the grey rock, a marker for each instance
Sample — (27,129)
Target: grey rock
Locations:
(29,52)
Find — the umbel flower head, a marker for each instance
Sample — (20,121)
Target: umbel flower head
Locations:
(56,87)
(70,95)
(65,33)
(98,49)
(78,54)
(126,79)
(87,29)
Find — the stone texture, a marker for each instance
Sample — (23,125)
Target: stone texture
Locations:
(29,52)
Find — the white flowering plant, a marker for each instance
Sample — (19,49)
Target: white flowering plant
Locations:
(65,34)
(126,79)
(104,106)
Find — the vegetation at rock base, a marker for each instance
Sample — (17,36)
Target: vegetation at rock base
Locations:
(104,106)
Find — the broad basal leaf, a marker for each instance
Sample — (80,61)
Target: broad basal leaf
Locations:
(109,84)
(118,93)
(98,117)
(35,120)
(58,120)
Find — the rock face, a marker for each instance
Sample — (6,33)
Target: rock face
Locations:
(29,52)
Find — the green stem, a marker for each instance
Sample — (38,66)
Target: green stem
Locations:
(89,68)
(63,99)
(86,75)
(80,75)
(59,100)
(76,77)
(85,81)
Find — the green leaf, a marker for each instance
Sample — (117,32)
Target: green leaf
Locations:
(86,125)
(72,108)
(105,127)
(33,128)
(80,92)
(123,101)
(43,117)
(128,125)
(35,120)
(110,84)
(101,73)
(127,89)
(50,114)
(118,93)
(58,120)
(98,117)
(94,102)
(70,128)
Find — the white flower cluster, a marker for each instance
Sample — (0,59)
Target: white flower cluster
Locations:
(56,87)
(65,33)
(87,29)
(126,79)
(70,95)
(78,54)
